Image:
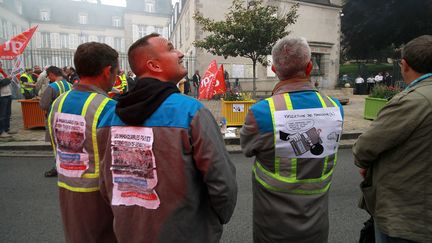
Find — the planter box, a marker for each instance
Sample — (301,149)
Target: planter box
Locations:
(372,107)
(33,115)
(235,111)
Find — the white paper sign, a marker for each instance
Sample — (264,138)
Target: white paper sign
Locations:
(72,160)
(133,167)
(308,133)
(238,107)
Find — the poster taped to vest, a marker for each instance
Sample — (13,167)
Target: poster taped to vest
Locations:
(133,167)
(72,159)
(307,133)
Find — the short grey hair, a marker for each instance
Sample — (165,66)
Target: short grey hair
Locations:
(290,57)
(418,54)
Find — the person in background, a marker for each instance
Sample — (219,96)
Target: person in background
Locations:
(359,83)
(42,82)
(294,141)
(395,155)
(123,79)
(130,81)
(37,70)
(196,81)
(370,83)
(71,75)
(227,82)
(187,86)
(379,78)
(58,85)
(5,104)
(166,170)
(28,84)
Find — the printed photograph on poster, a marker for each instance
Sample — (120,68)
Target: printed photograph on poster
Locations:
(69,133)
(238,107)
(133,167)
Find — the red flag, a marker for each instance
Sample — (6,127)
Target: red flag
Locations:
(207,82)
(15,46)
(220,87)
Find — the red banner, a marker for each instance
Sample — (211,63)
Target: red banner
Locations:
(220,87)
(207,82)
(15,46)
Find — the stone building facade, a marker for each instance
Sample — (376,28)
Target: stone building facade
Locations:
(63,25)
(318,22)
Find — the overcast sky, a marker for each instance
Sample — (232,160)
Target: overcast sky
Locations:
(122,3)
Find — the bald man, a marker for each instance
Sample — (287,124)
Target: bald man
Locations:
(168,175)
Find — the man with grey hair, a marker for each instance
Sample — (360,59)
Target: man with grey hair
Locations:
(395,154)
(294,137)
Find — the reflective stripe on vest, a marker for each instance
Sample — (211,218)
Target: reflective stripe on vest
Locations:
(29,80)
(62,87)
(91,111)
(286,170)
(123,81)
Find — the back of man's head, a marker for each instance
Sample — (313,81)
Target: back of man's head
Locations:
(55,71)
(90,59)
(291,56)
(418,54)
(136,61)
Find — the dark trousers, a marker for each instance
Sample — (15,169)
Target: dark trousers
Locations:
(5,113)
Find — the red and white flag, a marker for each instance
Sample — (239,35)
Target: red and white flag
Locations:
(17,69)
(206,89)
(15,46)
(219,84)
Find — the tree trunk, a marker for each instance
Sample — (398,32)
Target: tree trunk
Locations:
(254,79)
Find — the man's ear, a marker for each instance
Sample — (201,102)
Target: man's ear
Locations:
(309,68)
(107,71)
(154,66)
(273,68)
(405,67)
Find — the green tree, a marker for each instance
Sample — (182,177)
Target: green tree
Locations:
(371,26)
(247,31)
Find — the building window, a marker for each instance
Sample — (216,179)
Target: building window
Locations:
(45,15)
(117,43)
(142,30)
(64,41)
(149,6)
(116,21)
(45,40)
(83,18)
(316,67)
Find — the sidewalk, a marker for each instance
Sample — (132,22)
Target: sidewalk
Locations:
(34,139)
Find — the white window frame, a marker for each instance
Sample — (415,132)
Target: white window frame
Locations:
(64,40)
(45,40)
(45,14)
(116,21)
(82,18)
(149,6)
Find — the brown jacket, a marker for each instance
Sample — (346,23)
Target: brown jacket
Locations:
(196,183)
(397,149)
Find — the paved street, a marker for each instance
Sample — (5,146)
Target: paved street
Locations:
(29,204)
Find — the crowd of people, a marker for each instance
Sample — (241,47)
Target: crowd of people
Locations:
(185,189)
(365,87)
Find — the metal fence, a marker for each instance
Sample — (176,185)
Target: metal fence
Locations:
(54,57)
(362,70)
